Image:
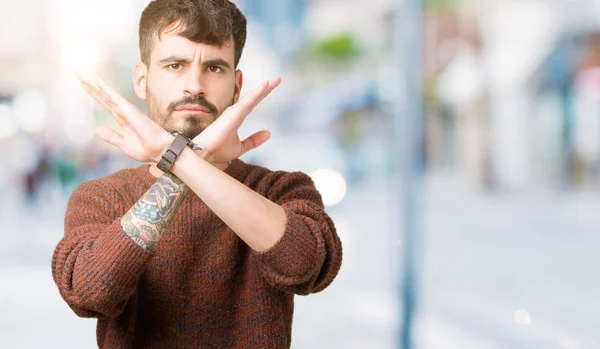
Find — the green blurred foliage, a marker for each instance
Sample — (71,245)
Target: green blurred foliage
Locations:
(341,47)
(442,4)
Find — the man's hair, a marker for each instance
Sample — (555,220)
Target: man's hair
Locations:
(210,22)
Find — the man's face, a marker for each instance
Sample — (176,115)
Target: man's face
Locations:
(187,85)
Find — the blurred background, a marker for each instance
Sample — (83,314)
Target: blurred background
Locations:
(489,240)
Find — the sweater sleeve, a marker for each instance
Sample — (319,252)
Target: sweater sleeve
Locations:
(309,255)
(96,266)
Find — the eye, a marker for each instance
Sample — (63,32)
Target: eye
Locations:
(174,66)
(214,69)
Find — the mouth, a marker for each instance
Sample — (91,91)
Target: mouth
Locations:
(194,108)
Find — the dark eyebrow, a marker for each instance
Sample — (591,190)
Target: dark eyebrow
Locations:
(180,60)
(174,59)
(217,62)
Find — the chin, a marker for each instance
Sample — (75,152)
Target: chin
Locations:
(191,134)
(191,128)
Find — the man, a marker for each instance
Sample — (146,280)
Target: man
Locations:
(201,250)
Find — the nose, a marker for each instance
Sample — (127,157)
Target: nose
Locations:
(194,86)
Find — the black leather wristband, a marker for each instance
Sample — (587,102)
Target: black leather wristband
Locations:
(168,158)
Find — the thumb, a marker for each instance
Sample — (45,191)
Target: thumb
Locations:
(108,135)
(255,141)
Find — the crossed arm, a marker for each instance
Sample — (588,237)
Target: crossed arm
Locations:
(255,219)
(147,221)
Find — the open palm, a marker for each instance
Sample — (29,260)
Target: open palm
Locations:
(142,138)
(221,142)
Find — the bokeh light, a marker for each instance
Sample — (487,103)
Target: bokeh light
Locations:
(522,317)
(8,126)
(30,111)
(331,185)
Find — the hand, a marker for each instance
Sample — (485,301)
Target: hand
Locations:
(220,141)
(142,139)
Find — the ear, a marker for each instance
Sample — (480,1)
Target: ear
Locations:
(140,74)
(239,80)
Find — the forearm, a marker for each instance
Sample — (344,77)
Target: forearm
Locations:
(298,248)
(148,220)
(255,219)
(96,266)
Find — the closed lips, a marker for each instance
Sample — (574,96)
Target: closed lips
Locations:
(192,107)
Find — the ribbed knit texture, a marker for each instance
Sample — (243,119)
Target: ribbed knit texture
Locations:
(203,287)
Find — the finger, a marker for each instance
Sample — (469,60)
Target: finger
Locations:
(104,94)
(235,115)
(265,86)
(96,94)
(263,91)
(109,136)
(83,77)
(271,85)
(260,89)
(255,140)
(123,107)
(112,98)
(274,83)
(92,88)
(250,101)
(111,93)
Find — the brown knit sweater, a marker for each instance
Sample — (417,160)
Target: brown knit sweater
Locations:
(203,287)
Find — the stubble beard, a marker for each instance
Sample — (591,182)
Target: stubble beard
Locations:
(192,125)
